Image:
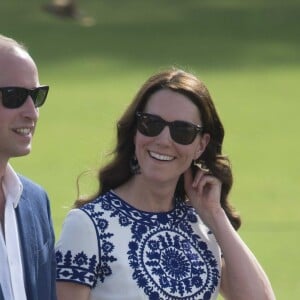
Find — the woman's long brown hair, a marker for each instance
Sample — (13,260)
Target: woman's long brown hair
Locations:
(117,171)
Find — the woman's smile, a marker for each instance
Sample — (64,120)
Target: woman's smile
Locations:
(161,157)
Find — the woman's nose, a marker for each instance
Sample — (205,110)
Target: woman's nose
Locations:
(165,135)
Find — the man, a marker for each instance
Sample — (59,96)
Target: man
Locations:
(27,259)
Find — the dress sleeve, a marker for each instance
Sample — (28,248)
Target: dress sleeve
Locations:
(77,251)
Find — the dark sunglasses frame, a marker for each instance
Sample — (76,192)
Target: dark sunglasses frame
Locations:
(14,97)
(181,132)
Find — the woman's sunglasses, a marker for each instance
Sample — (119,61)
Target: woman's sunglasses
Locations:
(14,97)
(182,132)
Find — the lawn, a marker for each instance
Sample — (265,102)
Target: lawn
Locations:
(247,52)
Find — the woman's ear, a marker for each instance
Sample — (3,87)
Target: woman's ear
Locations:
(204,140)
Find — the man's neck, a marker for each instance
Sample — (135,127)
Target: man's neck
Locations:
(3,168)
(2,205)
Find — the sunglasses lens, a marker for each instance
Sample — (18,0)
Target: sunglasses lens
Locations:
(39,96)
(150,125)
(182,132)
(13,97)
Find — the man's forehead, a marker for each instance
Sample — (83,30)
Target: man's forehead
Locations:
(12,52)
(17,68)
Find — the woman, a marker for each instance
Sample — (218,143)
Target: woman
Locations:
(160,226)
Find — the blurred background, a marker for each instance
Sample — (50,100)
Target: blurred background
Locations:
(247,53)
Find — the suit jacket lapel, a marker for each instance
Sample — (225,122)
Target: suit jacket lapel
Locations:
(1,294)
(28,244)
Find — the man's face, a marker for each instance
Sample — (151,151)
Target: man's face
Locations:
(17,125)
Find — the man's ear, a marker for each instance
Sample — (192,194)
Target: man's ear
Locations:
(204,140)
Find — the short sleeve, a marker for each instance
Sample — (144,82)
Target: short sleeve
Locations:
(77,251)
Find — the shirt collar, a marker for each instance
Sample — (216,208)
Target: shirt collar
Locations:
(12,185)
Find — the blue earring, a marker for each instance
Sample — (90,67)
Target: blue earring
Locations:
(134,166)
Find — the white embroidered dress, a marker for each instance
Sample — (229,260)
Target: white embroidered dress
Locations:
(124,253)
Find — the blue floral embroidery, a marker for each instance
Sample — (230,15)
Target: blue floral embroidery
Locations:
(168,260)
(80,259)
(79,267)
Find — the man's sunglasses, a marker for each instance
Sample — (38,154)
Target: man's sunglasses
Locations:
(14,97)
(182,132)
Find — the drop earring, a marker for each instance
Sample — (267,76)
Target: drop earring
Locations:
(134,165)
(200,164)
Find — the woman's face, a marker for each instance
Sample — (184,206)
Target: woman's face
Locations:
(161,159)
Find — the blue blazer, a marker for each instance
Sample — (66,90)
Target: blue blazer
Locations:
(37,242)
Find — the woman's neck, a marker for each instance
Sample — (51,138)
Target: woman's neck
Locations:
(147,197)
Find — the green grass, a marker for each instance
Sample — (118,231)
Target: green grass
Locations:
(247,52)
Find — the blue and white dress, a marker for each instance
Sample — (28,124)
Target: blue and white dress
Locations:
(123,253)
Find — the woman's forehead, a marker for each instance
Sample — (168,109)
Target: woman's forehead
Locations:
(172,105)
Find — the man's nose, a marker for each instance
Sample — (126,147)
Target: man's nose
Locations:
(29,110)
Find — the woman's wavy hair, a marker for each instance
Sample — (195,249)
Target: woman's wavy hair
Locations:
(117,171)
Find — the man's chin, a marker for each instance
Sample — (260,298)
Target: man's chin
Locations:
(22,152)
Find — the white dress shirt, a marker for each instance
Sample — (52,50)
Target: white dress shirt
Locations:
(11,274)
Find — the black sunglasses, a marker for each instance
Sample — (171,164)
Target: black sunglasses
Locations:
(14,97)
(182,132)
